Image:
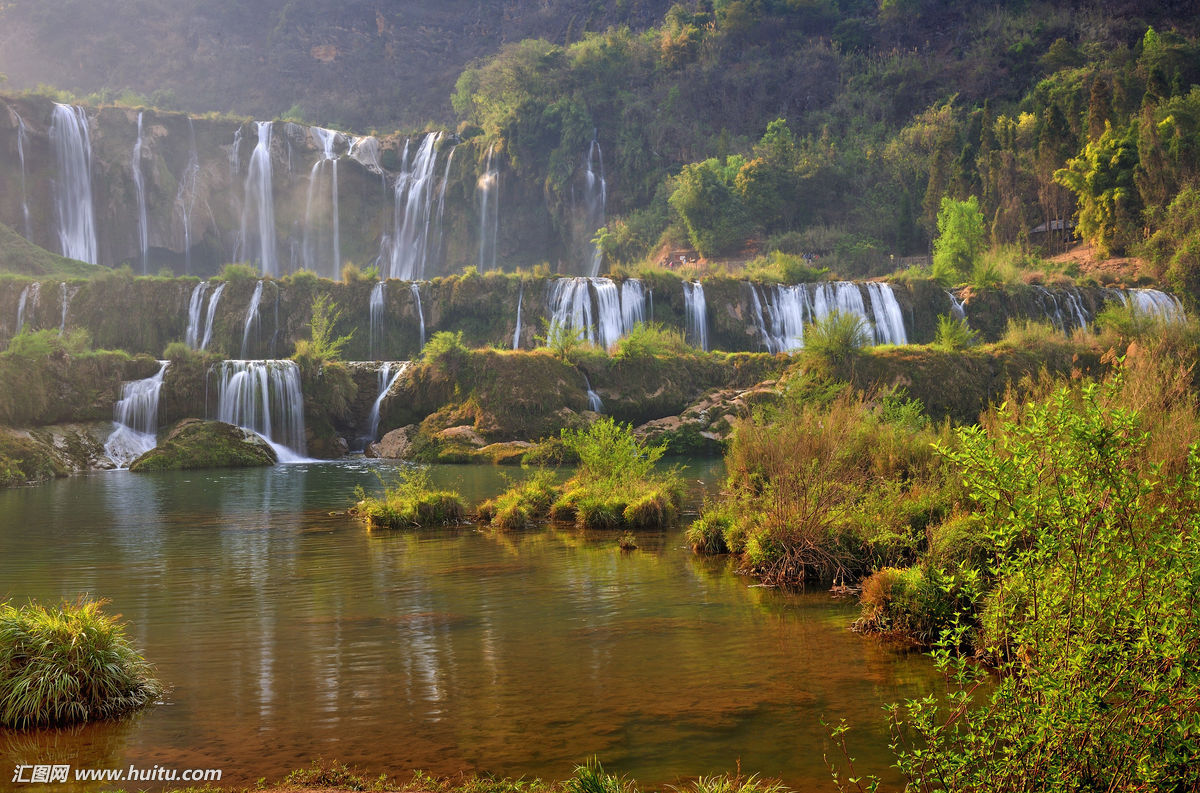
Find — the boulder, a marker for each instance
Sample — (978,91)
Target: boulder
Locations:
(193,443)
(397,444)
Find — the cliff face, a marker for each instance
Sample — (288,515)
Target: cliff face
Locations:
(362,63)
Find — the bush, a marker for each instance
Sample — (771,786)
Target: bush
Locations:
(410,501)
(836,338)
(707,533)
(321,345)
(652,340)
(960,239)
(953,334)
(521,504)
(68,665)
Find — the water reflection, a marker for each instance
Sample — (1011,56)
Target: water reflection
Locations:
(288,633)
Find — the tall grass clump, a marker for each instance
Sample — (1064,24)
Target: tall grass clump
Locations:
(828,490)
(592,778)
(522,505)
(837,337)
(953,334)
(68,665)
(410,501)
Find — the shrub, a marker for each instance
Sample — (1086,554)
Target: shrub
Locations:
(561,340)
(444,345)
(410,501)
(652,340)
(67,665)
(953,334)
(627,542)
(609,451)
(521,504)
(322,345)
(960,239)
(837,337)
(707,533)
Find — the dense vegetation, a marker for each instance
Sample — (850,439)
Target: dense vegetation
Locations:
(68,664)
(410,501)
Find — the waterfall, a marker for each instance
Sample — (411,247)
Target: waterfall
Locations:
(65,299)
(489,213)
(139,184)
(414,211)
(595,403)
(595,196)
(886,315)
(73,188)
(416,293)
(387,379)
(378,305)
(212,311)
(192,336)
(956,306)
(633,303)
(1064,310)
(595,307)
(327,139)
(136,417)
(185,196)
(259,201)
(28,299)
(1160,305)
(781,311)
(265,398)
(517,332)
(251,317)
(438,255)
(22,141)
(696,310)
(365,151)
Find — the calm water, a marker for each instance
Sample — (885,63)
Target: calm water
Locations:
(289,633)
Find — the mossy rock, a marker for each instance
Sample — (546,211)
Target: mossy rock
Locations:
(25,460)
(193,443)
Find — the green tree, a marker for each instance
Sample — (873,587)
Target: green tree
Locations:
(1102,178)
(960,239)
(715,216)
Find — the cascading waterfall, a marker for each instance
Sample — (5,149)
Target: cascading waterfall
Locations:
(377,307)
(64,297)
(251,317)
(265,398)
(139,185)
(1160,305)
(185,196)
(136,417)
(416,293)
(413,215)
(595,307)
(489,212)
(595,197)
(956,306)
(1064,309)
(696,309)
(517,331)
(387,378)
(595,403)
(195,303)
(212,312)
(781,311)
(633,303)
(22,142)
(28,299)
(73,187)
(327,139)
(259,202)
(438,255)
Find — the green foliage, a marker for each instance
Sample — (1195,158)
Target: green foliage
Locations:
(444,346)
(591,778)
(959,241)
(239,272)
(322,345)
(410,501)
(563,341)
(1090,619)
(521,505)
(778,267)
(652,340)
(1102,178)
(707,533)
(837,337)
(953,334)
(717,220)
(67,665)
(609,452)
(45,343)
